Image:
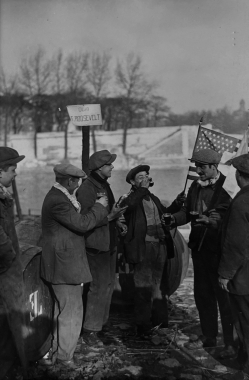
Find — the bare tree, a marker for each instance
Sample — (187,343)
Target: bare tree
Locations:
(133,87)
(157,110)
(98,75)
(76,71)
(58,80)
(35,73)
(99,72)
(35,79)
(8,87)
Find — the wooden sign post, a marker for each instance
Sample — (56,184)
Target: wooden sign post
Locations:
(84,116)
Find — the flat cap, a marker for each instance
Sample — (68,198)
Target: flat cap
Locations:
(206,156)
(241,163)
(101,158)
(9,156)
(132,173)
(68,170)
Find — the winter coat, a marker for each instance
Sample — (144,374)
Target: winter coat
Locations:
(220,202)
(98,238)
(234,263)
(64,258)
(9,247)
(134,241)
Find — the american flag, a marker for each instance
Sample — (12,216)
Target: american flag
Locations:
(209,139)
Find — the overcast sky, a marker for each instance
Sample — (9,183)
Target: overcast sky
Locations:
(198,50)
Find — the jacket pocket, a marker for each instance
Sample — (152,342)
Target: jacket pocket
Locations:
(64,254)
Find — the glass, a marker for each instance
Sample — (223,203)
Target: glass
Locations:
(194,215)
(167,218)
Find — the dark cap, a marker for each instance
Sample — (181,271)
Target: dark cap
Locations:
(101,158)
(68,170)
(206,156)
(132,173)
(241,163)
(9,156)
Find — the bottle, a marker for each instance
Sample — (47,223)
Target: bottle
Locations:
(122,199)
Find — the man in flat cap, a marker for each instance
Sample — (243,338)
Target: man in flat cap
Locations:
(101,246)
(234,263)
(206,197)
(147,246)
(11,273)
(64,263)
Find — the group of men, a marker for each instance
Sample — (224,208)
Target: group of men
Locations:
(81,224)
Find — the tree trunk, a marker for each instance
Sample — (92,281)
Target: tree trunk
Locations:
(35,143)
(6,131)
(124,137)
(66,141)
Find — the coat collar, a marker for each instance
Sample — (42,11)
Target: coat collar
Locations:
(244,189)
(95,182)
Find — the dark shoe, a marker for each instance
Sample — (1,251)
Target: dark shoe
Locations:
(91,338)
(242,358)
(142,330)
(240,375)
(107,327)
(227,352)
(68,364)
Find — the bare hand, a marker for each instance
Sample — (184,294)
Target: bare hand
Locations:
(116,212)
(181,198)
(223,282)
(203,219)
(168,226)
(103,201)
(214,215)
(122,227)
(145,182)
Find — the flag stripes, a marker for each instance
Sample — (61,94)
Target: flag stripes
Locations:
(210,139)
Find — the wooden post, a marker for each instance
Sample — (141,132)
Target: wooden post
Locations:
(16,197)
(85,148)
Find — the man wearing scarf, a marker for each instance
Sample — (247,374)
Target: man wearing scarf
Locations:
(207,197)
(148,246)
(64,263)
(101,245)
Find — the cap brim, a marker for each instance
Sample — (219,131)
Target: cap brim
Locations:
(114,156)
(13,160)
(131,174)
(201,162)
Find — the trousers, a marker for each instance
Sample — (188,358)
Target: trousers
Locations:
(150,298)
(103,270)
(240,310)
(68,315)
(209,296)
(12,298)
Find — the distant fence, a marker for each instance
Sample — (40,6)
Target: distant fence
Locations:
(155,145)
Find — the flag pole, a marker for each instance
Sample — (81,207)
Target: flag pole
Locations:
(200,124)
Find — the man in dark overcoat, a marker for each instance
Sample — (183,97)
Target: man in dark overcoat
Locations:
(101,246)
(64,263)
(147,246)
(204,196)
(11,272)
(234,263)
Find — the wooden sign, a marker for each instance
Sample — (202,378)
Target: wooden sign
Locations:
(86,114)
